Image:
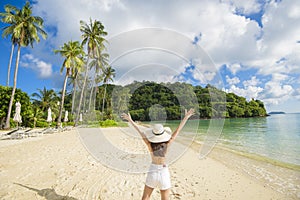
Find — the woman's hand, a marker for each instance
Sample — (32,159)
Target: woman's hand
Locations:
(189,113)
(126,117)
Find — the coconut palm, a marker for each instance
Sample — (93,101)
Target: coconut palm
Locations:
(99,63)
(108,73)
(44,99)
(73,53)
(93,36)
(37,114)
(24,30)
(9,17)
(73,82)
(75,79)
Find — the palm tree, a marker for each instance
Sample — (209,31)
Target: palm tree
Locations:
(42,100)
(109,73)
(45,99)
(9,17)
(73,82)
(73,52)
(24,30)
(93,36)
(99,63)
(37,113)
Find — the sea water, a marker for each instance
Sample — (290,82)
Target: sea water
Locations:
(276,137)
(272,143)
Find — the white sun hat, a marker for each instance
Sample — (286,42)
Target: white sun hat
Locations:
(158,133)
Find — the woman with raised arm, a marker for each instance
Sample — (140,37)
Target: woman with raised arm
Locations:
(158,139)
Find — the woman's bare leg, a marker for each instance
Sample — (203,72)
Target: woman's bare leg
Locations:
(147,193)
(165,194)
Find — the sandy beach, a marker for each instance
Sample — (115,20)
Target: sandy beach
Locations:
(59,166)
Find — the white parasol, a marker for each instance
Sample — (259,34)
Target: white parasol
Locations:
(66,116)
(17,116)
(80,117)
(49,117)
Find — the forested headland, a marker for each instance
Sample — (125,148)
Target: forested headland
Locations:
(209,101)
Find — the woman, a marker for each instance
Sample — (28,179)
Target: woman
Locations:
(158,139)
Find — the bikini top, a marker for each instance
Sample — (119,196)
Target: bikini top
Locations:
(159,149)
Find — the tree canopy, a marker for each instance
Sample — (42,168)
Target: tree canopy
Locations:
(141,97)
(26,106)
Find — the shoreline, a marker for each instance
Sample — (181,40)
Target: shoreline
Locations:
(261,158)
(59,166)
(245,153)
(281,177)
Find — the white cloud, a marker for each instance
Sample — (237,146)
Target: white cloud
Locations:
(252,82)
(43,69)
(234,68)
(294,12)
(232,81)
(226,37)
(274,89)
(248,92)
(297,94)
(281,30)
(277,77)
(245,7)
(275,92)
(223,32)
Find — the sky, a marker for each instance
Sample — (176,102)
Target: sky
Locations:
(252,47)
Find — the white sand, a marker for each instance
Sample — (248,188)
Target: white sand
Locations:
(58,166)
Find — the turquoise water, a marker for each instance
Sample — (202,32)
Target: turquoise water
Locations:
(276,137)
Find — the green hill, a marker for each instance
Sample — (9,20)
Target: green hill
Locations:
(141,98)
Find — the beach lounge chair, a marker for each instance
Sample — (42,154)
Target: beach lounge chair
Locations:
(67,128)
(20,134)
(11,132)
(36,133)
(7,135)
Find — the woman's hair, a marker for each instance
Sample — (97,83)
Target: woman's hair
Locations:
(159,149)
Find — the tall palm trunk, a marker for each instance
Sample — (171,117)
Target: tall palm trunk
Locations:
(90,99)
(103,101)
(62,99)
(94,100)
(7,124)
(9,64)
(73,95)
(84,99)
(82,93)
(92,90)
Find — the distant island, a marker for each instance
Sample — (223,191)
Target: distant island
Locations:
(275,113)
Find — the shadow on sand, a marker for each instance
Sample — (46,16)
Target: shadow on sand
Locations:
(48,193)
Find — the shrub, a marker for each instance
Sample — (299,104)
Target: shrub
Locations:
(42,124)
(108,123)
(69,123)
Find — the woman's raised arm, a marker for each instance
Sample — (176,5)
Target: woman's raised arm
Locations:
(128,118)
(187,115)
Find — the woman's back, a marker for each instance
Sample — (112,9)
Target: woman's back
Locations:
(158,152)
(159,149)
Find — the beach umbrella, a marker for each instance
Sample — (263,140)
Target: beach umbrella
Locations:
(17,116)
(49,117)
(80,117)
(66,116)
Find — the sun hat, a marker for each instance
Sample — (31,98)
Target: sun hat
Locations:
(158,133)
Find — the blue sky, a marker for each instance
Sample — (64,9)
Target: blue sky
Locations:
(254,44)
